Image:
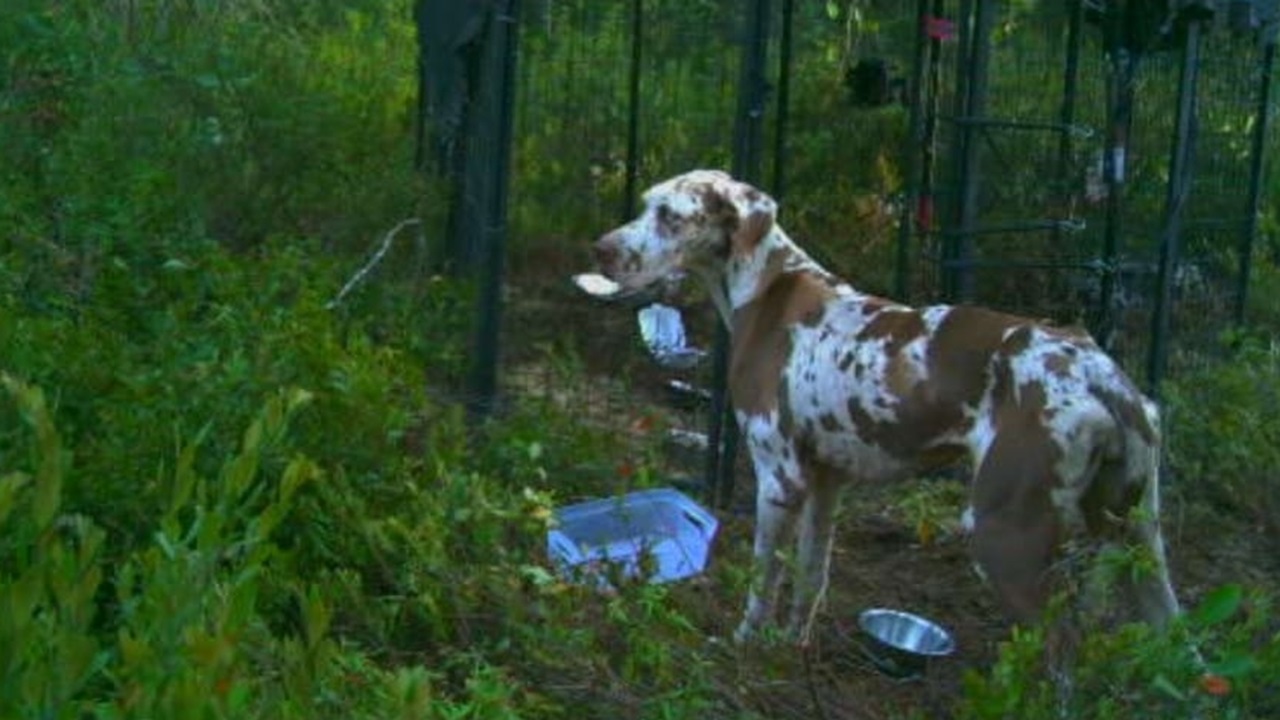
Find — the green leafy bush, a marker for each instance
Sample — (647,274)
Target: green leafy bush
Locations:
(214,616)
(1137,672)
(1224,434)
(379,558)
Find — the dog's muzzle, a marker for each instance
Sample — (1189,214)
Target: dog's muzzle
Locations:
(607,254)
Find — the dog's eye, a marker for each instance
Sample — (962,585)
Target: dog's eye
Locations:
(667,216)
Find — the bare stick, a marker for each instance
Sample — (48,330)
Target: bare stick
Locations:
(818,708)
(373,262)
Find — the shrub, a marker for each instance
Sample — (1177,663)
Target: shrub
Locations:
(376,559)
(1223,432)
(1138,672)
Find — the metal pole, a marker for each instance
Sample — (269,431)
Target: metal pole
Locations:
(963,135)
(747,145)
(1179,188)
(1070,85)
(1261,125)
(927,210)
(783,105)
(970,171)
(501,91)
(1123,65)
(913,147)
(633,112)
(420,116)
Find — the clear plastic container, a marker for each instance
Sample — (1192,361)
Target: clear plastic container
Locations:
(659,534)
(662,328)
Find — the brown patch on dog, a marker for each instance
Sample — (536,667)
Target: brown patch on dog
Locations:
(1127,409)
(720,212)
(744,233)
(1057,365)
(750,232)
(895,327)
(959,355)
(1018,530)
(762,336)
(957,359)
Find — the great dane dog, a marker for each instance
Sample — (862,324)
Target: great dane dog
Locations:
(833,386)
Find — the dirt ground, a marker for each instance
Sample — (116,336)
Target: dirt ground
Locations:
(879,559)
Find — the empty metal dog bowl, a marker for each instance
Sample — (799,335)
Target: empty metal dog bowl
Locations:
(901,644)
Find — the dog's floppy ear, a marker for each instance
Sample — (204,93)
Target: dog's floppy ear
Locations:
(746,214)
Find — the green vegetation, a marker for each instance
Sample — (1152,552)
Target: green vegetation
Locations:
(220,496)
(1138,673)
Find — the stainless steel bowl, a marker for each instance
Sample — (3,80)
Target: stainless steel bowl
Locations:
(902,644)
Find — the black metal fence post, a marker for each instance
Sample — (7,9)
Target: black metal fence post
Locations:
(1122,69)
(633,110)
(1179,189)
(748,142)
(486,189)
(780,125)
(961,135)
(1070,86)
(972,101)
(913,155)
(1257,154)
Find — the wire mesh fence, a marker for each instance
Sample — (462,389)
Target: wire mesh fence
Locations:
(1018,155)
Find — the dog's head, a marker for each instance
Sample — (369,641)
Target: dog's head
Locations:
(691,222)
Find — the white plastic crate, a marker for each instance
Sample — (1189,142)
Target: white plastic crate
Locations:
(664,524)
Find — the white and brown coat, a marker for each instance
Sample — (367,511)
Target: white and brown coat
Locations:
(831,385)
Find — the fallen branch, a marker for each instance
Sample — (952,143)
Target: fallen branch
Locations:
(818,707)
(373,262)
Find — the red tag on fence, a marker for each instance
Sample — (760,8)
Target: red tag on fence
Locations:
(924,213)
(939,28)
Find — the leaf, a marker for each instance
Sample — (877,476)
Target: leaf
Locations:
(1166,686)
(184,475)
(833,9)
(299,471)
(316,616)
(9,486)
(24,594)
(49,453)
(1218,605)
(1234,665)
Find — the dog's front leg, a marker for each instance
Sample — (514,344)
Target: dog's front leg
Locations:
(778,499)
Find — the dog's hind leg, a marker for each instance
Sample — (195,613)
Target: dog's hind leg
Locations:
(1152,588)
(813,555)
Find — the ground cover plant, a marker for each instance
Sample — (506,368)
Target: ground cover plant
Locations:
(224,495)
